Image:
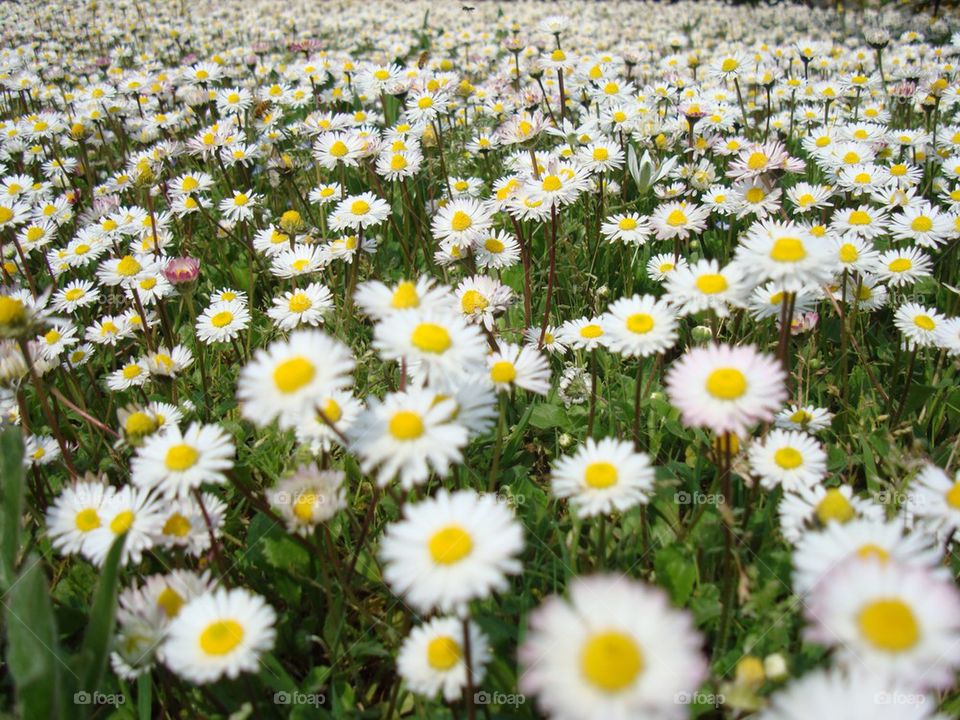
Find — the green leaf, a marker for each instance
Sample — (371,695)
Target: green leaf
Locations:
(676,572)
(103,612)
(144,696)
(545,417)
(11,497)
(285,554)
(32,652)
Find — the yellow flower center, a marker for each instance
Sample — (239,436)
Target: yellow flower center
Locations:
(859,217)
(240,199)
(755,195)
(122,522)
(899,265)
(360,207)
(221,637)
(443,653)
(494,245)
(788,458)
(921,224)
(139,423)
(848,253)
(291,375)
(128,266)
(52,337)
(676,219)
(611,661)
(729,65)
(6,215)
(924,322)
(851,158)
(405,296)
(726,383)
(181,457)
(953,496)
(628,223)
(87,520)
(299,303)
(757,161)
(176,525)
(472,301)
(450,545)
(503,371)
(601,154)
(303,506)
(431,338)
(552,183)
(338,149)
(640,323)
(711,283)
(600,475)
(461,221)
(222,319)
(788,249)
(834,506)
(170,601)
(131,371)
(74,294)
(591,331)
(406,425)
(889,624)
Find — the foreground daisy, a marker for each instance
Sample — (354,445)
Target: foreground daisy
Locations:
(450,549)
(220,633)
(725,388)
(176,463)
(603,476)
(639,326)
(432,658)
(519,366)
(615,650)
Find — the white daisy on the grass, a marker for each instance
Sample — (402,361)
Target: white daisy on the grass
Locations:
(918,324)
(788,458)
(582,333)
(902,267)
(221,633)
(935,497)
(864,221)
(168,362)
(948,336)
(287,380)
(854,694)
(240,206)
(185,523)
(898,622)
(450,549)
(804,509)
(134,511)
(359,212)
(678,220)
(339,409)
(706,286)
(726,388)
(497,250)
(767,301)
(176,463)
(74,295)
(442,344)
(40,450)
(818,553)
(408,434)
(222,321)
(378,300)
(432,658)
(519,366)
(481,298)
(461,221)
(630,228)
(304,306)
(75,513)
(808,418)
(659,267)
(785,252)
(923,225)
(308,497)
(615,650)
(302,259)
(133,373)
(853,254)
(639,326)
(474,403)
(603,476)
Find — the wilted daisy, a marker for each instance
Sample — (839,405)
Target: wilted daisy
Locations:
(603,476)
(789,459)
(450,549)
(519,366)
(308,497)
(175,463)
(220,633)
(615,649)
(432,659)
(726,388)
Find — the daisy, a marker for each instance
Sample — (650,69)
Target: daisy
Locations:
(308,497)
(582,333)
(853,254)
(639,326)
(786,253)
(604,476)
(187,524)
(707,286)
(659,267)
(551,341)
(592,656)
(222,321)
(378,300)
(806,197)
(519,366)
(918,324)
(808,418)
(497,250)
(176,463)
(305,306)
(808,508)
(863,221)
(678,220)
(408,434)
(134,373)
(631,228)
(788,458)
(220,633)
(898,622)
(432,658)
(450,549)
(302,259)
(358,212)
(725,388)
(948,336)
(75,513)
(169,363)
(442,344)
(922,225)
(287,380)
(936,498)
(130,511)
(339,408)
(902,267)
(461,222)
(240,206)
(481,297)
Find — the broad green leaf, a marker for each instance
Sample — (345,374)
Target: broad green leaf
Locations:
(11,497)
(676,572)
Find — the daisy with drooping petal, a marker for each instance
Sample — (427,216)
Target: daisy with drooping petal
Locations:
(788,458)
(615,650)
(604,476)
(432,658)
(220,633)
(290,378)
(176,463)
(408,434)
(519,366)
(639,326)
(898,622)
(726,388)
(450,549)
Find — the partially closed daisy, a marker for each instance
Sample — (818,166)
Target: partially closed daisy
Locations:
(615,649)
(639,326)
(304,306)
(308,497)
(222,321)
(519,366)
(918,324)
(726,388)
(788,459)
(290,378)
(450,549)
(176,463)
(432,658)
(604,476)
(898,622)
(220,633)
(408,434)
